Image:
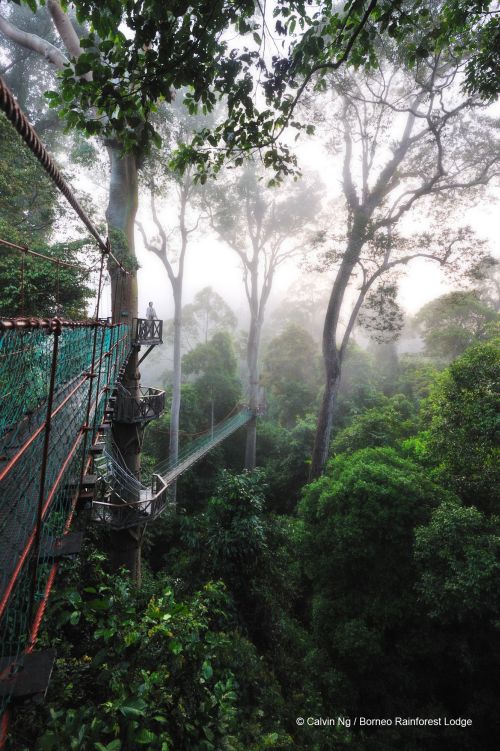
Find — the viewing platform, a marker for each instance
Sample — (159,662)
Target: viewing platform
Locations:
(124,502)
(147,332)
(131,409)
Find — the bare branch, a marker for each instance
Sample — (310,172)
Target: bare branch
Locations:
(65,28)
(34,43)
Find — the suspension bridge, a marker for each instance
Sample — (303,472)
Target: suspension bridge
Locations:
(62,398)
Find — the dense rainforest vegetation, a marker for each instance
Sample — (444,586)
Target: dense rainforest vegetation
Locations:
(329,573)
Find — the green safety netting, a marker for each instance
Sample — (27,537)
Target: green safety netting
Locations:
(25,364)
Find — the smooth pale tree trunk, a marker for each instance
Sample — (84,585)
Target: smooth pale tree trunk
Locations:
(120,215)
(176,282)
(176,380)
(253,348)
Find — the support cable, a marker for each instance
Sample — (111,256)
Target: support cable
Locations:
(30,137)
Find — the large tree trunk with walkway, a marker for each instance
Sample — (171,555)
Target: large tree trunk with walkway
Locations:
(120,215)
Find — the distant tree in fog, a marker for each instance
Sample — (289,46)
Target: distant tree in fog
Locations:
(453,322)
(406,142)
(265,227)
(167,190)
(207,315)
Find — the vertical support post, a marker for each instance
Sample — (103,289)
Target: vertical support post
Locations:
(86,426)
(109,353)
(98,381)
(43,469)
(21,291)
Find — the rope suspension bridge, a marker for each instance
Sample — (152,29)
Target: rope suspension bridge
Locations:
(61,397)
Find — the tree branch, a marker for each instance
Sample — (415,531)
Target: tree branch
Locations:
(34,43)
(65,29)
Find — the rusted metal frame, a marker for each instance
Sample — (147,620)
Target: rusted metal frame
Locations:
(50,580)
(98,385)
(29,544)
(116,356)
(44,510)
(21,288)
(31,538)
(109,355)
(43,468)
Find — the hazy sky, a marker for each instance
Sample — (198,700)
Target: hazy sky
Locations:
(211,262)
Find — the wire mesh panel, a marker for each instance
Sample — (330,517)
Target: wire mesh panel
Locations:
(45,432)
(149,405)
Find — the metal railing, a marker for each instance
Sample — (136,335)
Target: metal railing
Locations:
(123,501)
(147,331)
(149,406)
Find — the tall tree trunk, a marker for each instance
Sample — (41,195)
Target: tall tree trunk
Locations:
(120,215)
(253,348)
(332,357)
(325,417)
(176,379)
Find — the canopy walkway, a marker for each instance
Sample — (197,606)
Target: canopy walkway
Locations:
(122,501)
(60,392)
(55,379)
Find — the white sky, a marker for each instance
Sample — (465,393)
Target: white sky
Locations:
(211,263)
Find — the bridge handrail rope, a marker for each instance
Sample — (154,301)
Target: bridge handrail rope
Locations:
(30,137)
(211,438)
(50,259)
(122,485)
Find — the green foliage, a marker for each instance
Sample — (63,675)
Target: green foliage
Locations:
(359,386)
(40,288)
(285,456)
(384,425)
(416,377)
(143,669)
(28,211)
(458,553)
(358,531)
(291,374)
(207,315)
(463,426)
(28,206)
(452,323)
(215,366)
